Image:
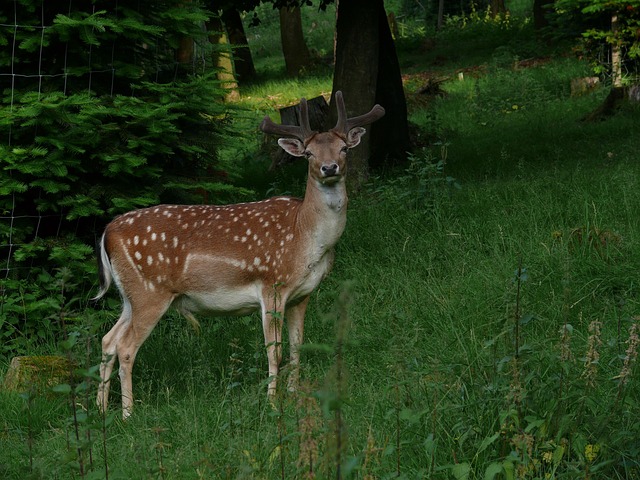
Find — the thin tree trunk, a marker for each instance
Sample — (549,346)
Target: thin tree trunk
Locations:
(616,54)
(242,59)
(440,14)
(295,51)
(222,58)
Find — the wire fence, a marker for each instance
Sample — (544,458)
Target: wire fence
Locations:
(62,66)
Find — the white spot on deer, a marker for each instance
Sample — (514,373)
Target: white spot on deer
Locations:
(235,219)
(266,224)
(138,255)
(236,238)
(175,242)
(289,237)
(130,221)
(144,242)
(160,256)
(163,236)
(148,228)
(185,226)
(136,240)
(256,261)
(243,239)
(154,236)
(248,231)
(149,260)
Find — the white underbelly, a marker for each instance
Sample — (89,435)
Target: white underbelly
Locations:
(221,301)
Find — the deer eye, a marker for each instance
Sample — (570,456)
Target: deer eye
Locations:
(308,154)
(344,149)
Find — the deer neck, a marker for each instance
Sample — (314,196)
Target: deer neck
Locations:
(323,212)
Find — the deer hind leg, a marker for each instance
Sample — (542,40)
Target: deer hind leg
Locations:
(109,342)
(295,326)
(146,311)
(272,317)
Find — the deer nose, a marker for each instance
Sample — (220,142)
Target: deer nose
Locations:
(329,170)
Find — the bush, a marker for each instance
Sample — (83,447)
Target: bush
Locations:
(100,118)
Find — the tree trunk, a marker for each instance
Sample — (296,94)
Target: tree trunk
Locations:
(185,51)
(440,21)
(367,72)
(540,10)
(295,51)
(497,7)
(389,135)
(184,54)
(616,53)
(222,58)
(244,67)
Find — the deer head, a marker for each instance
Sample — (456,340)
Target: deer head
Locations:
(325,151)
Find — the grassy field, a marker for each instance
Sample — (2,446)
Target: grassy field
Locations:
(481,320)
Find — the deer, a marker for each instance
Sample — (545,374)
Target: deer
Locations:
(268,255)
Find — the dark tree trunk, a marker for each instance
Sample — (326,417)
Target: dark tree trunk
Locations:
(295,51)
(540,10)
(390,134)
(367,72)
(245,69)
(497,7)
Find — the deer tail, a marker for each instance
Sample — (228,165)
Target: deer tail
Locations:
(104,270)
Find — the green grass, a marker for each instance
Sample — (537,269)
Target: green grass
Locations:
(471,316)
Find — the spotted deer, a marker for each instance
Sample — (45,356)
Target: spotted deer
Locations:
(233,259)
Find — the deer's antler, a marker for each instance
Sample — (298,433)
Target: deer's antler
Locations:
(302,132)
(345,124)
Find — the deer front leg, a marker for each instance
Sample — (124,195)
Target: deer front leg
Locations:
(295,326)
(272,327)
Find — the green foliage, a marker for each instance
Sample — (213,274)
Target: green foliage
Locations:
(592,18)
(98,119)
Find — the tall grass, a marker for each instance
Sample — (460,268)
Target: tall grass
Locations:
(492,308)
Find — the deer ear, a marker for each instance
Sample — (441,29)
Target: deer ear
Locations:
(354,136)
(292,146)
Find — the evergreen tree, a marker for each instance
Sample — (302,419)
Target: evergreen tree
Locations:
(97,117)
